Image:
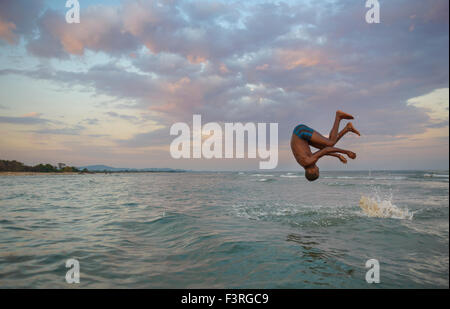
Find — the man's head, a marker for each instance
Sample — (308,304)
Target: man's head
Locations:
(312,173)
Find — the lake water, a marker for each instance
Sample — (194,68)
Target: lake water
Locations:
(225,230)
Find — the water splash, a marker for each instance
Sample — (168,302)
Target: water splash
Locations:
(383,209)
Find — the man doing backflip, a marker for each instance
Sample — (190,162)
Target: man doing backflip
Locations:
(303,137)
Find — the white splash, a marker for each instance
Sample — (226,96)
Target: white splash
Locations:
(383,209)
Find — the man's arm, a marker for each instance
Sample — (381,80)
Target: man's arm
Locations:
(327,151)
(340,157)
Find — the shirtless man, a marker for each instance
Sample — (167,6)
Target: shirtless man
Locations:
(303,137)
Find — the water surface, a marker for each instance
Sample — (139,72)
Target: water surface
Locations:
(223,230)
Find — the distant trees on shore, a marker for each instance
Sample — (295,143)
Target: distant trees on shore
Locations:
(16,166)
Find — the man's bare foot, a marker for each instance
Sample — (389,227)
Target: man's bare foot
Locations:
(351,128)
(343,159)
(343,115)
(351,154)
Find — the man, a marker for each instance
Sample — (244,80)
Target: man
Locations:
(303,137)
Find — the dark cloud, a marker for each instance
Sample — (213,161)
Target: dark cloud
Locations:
(122,116)
(101,30)
(24,120)
(46,126)
(97,135)
(75,130)
(18,18)
(91,121)
(204,11)
(441,124)
(157,137)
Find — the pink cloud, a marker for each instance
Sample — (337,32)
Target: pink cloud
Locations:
(6,31)
(32,115)
(290,59)
(101,29)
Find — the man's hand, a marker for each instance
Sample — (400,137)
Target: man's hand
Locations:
(351,154)
(342,158)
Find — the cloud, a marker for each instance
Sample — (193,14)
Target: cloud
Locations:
(91,121)
(25,120)
(159,137)
(32,114)
(199,32)
(75,130)
(17,18)
(101,30)
(6,31)
(46,126)
(434,103)
(122,116)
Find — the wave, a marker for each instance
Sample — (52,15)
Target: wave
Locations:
(289,175)
(266,180)
(339,184)
(262,175)
(435,175)
(383,209)
(367,177)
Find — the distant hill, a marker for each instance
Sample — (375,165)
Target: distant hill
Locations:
(95,168)
(101,168)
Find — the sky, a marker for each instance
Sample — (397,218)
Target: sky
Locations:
(107,90)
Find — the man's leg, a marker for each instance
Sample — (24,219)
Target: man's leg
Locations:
(319,141)
(337,120)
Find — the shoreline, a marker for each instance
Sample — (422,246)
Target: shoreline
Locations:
(79,173)
(36,173)
(175,172)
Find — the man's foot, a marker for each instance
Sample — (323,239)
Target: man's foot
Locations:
(343,115)
(351,128)
(351,155)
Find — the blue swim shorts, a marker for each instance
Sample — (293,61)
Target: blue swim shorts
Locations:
(304,132)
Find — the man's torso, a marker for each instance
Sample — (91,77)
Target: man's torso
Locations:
(300,149)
